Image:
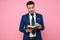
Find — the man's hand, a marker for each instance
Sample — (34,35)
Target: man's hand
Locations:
(30,28)
(38,25)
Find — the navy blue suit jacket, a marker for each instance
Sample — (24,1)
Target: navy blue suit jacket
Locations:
(26,21)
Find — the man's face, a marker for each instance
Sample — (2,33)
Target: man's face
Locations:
(31,8)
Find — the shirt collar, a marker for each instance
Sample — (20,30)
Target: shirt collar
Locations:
(33,13)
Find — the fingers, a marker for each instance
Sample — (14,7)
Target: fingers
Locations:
(38,25)
(29,30)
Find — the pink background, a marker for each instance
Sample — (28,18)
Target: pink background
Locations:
(12,10)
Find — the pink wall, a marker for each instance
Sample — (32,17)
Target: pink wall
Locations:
(12,10)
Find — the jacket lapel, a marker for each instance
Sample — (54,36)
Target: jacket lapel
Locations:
(36,17)
(28,19)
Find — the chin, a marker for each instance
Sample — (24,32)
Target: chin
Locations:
(31,12)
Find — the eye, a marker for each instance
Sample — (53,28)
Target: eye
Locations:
(29,8)
(32,7)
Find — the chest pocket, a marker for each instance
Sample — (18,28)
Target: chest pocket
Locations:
(38,20)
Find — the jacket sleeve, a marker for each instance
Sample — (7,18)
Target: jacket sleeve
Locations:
(22,24)
(41,23)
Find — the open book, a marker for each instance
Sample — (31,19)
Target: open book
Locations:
(30,27)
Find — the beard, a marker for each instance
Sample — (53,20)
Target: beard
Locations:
(31,12)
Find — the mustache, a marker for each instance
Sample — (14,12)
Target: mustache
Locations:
(31,11)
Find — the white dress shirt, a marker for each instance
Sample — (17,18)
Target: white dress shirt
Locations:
(32,35)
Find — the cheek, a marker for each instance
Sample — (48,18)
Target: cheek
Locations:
(33,9)
(30,9)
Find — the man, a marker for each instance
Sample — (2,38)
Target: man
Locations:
(33,20)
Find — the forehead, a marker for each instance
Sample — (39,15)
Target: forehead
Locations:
(30,5)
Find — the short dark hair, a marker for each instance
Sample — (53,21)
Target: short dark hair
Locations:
(29,3)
